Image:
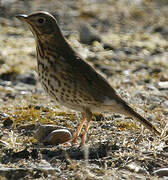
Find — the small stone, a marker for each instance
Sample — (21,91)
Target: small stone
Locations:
(43,130)
(158,29)
(135,167)
(10,95)
(128,51)
(56,137)
(166,142)
(164,77)
(29,78)
(163,85)
(161,172)
(5,83)
(165,149)
(7,122)
(52,134)
(37,107)
(8,76)
(87,34)
(155,71)
(106,126)
(147,80)
(108,46)
(161,29)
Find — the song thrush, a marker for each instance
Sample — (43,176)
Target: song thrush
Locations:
(68,79)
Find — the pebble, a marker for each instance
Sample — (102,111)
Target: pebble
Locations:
(58,136)
(7,122)
(87,34)
(52,134)
(128,51)
(28,78)
(106,126)
(165,149)
(5,83)
(163,85)
(8,76)
(161,172)
(108,46)
(135,167)
(155,71)
(162,30)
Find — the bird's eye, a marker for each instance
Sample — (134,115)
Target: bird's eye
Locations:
(41,21)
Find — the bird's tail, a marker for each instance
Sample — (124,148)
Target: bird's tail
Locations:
(127,110)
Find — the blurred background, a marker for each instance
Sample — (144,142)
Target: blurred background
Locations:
(119,15)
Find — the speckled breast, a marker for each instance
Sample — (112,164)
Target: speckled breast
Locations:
(58,81)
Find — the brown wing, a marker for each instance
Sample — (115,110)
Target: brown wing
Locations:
(95,84)
(92,81)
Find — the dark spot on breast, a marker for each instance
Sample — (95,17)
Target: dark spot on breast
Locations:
(56,79)
(48,81)
(45,87)
(79,100)
(67,95)
(69,91)
(52,93)
(67,85)
(52,87)
(62,94)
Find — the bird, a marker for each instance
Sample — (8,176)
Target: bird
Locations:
(70,80)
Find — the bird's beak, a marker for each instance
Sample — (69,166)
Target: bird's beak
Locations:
(22,17)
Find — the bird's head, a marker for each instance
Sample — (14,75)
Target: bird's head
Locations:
(42,24)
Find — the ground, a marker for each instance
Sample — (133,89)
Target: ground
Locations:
(130,51)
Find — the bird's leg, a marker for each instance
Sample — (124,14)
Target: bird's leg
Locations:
(88,117)
(85,133)
(79,129)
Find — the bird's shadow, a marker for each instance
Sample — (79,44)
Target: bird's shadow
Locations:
(75,153)
(79,153)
